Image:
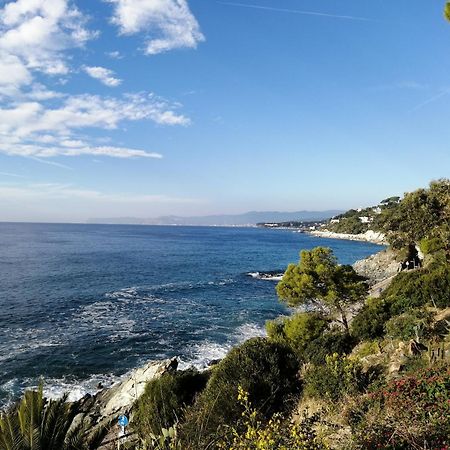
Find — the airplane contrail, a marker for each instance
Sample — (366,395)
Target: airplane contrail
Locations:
(430,100)
(296,11)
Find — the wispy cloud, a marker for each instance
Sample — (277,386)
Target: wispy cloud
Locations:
(170,23)
(58,191)
(8,174)
(104,75)
(114,54)
(297,11)
(50,163)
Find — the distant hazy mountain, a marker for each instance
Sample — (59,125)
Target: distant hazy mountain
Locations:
(249,218)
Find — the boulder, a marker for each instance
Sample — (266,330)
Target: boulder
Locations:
(120,397)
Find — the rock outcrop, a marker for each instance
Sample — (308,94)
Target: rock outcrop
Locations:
(101,411)
(378,267)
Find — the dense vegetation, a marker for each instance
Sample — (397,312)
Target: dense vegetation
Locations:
(344,372)
(420,217)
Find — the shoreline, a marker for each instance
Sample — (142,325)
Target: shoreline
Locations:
(371,236)
(80,394)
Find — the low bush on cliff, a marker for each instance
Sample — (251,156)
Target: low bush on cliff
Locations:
(165,399)
(415,323)
(418,288)
(339,376)
(266,370)
(253,432)
(297,331)
(369,323)
(407,413)
(329,343)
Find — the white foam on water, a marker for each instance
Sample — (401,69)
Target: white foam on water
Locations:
(107,315)
(250,330)
(22,341)
(201,355)
(265,276)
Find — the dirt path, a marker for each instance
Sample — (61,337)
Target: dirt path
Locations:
(377,289)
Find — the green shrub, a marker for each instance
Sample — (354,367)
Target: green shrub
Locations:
(329,343)
(419,288)
(411,324)
(367,348)
(340,375)
(431,245)
(297,331)
(411,412)
(164,399)
(369,323)
(350,225)
(267,371)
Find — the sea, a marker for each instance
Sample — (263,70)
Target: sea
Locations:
(85,304)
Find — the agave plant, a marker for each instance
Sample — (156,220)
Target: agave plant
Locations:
(35,424)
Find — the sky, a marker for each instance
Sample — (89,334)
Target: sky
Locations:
(143,108)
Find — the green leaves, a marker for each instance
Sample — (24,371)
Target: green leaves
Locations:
(319,280)
(447,11)
(36,425)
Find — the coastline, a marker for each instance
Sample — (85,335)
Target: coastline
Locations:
(371,236)
(103,402)
(119,397)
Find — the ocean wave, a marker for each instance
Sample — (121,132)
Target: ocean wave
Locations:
(21,341)
(55,388)
(267,276)
(203,354)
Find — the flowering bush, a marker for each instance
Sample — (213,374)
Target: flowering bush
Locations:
(408,413)
(276,434)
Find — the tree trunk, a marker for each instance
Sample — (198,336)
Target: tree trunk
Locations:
(344,319)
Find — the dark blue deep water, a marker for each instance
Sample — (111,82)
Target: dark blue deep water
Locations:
(81,304)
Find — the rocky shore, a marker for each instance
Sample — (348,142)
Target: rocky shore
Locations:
(378,267)
(101,411)
(369,236)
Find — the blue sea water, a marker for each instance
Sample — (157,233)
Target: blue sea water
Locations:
(82,304)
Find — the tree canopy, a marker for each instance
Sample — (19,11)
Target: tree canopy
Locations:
(421,214)
(319,280)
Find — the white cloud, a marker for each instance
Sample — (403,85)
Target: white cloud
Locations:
(32,129)
(102,74)
(36,36)
(168,23)
(114,54)
(13,74)
(35,33)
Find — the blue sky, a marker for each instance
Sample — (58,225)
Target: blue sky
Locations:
(152,107)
